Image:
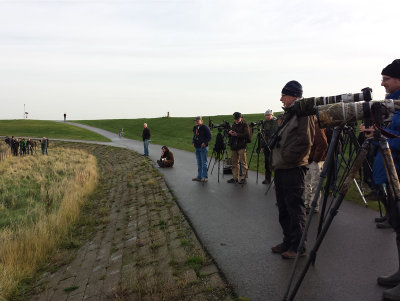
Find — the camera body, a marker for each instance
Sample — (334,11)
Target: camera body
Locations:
(256,123)
(222,126)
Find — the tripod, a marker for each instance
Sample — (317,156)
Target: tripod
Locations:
(257,147)
(219,151)
(393,191)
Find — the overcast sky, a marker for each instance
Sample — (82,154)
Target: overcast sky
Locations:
(142,58)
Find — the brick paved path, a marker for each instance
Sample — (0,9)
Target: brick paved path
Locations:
(143,249)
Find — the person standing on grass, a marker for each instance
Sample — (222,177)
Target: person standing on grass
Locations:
(44,143)
(201,137)
(146,139)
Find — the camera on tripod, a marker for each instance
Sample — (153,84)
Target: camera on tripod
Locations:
(256,123)
(221,126)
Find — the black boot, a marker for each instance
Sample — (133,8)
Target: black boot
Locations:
(380,219)
(394,279)
(392,293)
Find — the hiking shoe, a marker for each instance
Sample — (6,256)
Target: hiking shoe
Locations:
(232,181)
(204,180)
(389,281)
(383,225)
(196,179)
(290,254)
(279,249)
(243,181)
(380,219)
(392,293)
(266,182)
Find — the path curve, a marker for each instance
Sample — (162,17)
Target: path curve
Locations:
(239,224)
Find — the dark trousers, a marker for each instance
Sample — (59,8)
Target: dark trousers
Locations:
(266,165)
(289,188)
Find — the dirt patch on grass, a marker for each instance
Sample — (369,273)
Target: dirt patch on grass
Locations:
(140,247)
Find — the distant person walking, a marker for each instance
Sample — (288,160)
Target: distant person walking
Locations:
(146,139)
(65,117)
(201,137)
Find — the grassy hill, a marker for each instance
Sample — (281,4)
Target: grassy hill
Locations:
(49,129)
(174,132)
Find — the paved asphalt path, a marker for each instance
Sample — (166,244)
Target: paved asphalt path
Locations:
(239,224)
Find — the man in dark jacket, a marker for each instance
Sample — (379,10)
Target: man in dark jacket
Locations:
(201,137)
(239,136)
(270,125)
(146,139)
(289,158)
(391,83)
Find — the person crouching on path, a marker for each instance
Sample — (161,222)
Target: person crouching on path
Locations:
(201,137)
(167,158)
(289,157)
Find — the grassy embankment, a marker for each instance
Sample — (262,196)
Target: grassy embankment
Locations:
(40,199)
(49,129)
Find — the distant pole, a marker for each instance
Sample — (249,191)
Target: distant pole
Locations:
(23,116)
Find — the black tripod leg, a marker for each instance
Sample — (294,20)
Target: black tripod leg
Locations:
(330,163)
(209,162)
(361,155)
(327,163)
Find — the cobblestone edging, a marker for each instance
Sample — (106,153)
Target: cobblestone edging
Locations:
(144,248)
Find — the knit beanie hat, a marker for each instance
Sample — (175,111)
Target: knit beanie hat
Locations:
(393,69)
(293,88)
(237,115)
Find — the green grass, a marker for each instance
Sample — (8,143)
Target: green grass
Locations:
(49,129)
(174,132)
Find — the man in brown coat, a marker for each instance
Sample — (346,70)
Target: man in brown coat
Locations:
(167,158)
(315,163)
(289,159)
(239,135)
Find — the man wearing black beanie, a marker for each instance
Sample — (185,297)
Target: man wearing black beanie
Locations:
(391,83)
(289,158)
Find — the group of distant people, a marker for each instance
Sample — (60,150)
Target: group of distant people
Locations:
(22,146)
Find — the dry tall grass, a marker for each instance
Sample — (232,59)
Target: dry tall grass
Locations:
(64,179)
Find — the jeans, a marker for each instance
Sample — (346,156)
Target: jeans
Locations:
(201,157)
(146,147)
